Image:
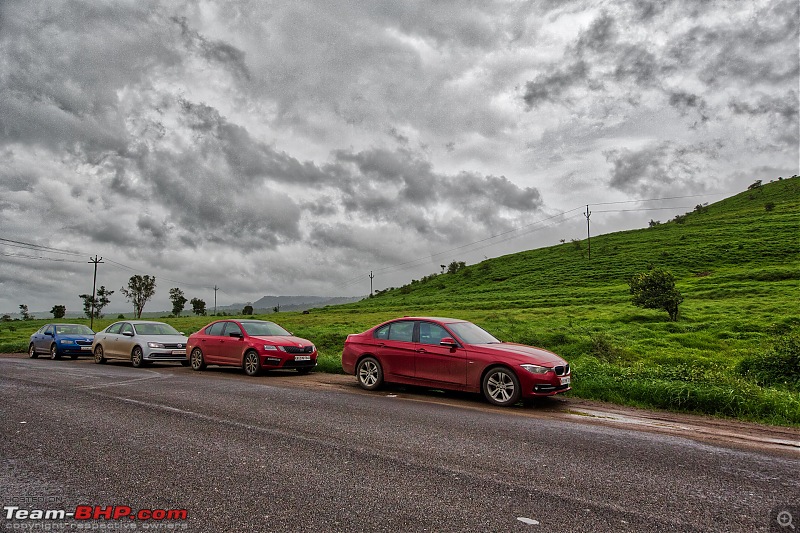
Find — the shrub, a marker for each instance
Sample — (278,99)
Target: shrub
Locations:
(778,365)
(655,289)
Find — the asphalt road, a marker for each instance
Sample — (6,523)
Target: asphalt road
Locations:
(260,454)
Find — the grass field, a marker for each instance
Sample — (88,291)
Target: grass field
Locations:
(734,351)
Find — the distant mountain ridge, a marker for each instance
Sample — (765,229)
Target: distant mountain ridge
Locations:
(292,303)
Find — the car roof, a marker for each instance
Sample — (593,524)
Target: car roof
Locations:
(432,318)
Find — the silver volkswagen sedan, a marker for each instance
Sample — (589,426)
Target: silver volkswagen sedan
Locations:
(140,342)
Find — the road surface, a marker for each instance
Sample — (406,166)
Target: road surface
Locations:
(284,452)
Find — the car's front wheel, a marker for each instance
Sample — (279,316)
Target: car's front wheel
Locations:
(54,352)
(32,352)
(197,360)
(501,387)
(252,364)
(99,358)
(369,373)
(137,357)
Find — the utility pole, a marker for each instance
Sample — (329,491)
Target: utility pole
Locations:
(371,276)
(96,261)
(587,214)
(215,299)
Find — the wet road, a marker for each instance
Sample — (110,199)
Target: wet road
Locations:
(260,454)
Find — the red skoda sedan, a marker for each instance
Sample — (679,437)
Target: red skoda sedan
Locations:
(446,353)
(250,344)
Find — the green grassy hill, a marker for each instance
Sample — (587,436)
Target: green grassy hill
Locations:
(735,351)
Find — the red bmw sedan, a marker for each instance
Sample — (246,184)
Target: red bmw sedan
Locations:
(254,345)
(446,353)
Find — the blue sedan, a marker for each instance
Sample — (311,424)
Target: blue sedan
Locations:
(61,339)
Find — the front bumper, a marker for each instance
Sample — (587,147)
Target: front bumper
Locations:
(166,354)
(546,385)
(291,361)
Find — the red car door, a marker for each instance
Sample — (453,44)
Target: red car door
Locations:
(436,363)
(231,345)
(396,349)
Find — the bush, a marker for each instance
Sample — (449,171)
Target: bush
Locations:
(778,365)
(655,289)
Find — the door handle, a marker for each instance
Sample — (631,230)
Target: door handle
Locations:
(422,350)
(381,344)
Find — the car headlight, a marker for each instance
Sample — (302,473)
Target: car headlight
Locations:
(155,345)
(66,341)
(270,348)
(536,369)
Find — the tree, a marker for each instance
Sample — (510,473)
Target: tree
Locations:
(100,301)
(198,306)
(277,308)
(140,290)
(655,289)
(23,310)
(455,266)
(178,301)
(248,310)
(59,311)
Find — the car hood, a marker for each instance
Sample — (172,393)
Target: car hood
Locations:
(163,339)
(75,337)
(283,340)
(521,352)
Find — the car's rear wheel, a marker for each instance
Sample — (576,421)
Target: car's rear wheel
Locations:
(137,357)
(252,364)
(369,373)
(501,386)
(54,352)
(32,352)
(197,360)
(98,354)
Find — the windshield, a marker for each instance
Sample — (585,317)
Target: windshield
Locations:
(469,333)
(73,329)
(155,329)
(264,329)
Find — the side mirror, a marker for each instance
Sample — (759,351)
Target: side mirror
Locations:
(127,333)
(236,334)
(448,341)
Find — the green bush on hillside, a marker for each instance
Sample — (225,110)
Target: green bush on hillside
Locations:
(779,365)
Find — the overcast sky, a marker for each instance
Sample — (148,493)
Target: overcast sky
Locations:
(293,147)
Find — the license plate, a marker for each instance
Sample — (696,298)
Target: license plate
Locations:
(302,358)
(178,352)
(565,381)
(86,348)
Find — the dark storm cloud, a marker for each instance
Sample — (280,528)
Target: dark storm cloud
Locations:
(659,168)
(219,52)
(553,87)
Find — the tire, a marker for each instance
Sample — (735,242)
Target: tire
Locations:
(369,373)
(54,352)
(137,357)
(98,354)
(197,360)
(251,363)
(32,352)
(501,387)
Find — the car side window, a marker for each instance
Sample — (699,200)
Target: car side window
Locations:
(215,329)
(401,331)
(126,328)
(114,328)
(232,327)
(382,333)
(49,330)
(431,333)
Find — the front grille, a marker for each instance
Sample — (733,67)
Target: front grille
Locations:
(83,342)
(157,355)
(561,370)
(298,349)
(174,346)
